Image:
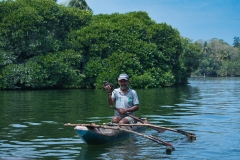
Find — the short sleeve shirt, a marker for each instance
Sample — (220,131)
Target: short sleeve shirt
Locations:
(127,100)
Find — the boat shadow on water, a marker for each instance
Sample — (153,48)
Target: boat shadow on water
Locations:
(121,149)
(132,147)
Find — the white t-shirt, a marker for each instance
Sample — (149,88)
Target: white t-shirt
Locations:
(127,100)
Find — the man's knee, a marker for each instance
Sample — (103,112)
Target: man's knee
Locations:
(116,119)
(124,121)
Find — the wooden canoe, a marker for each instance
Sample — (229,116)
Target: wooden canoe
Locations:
(93,135)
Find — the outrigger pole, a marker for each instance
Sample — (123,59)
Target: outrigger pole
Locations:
(189,135)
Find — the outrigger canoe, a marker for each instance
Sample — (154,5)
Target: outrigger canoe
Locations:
(107,133)
(94,134)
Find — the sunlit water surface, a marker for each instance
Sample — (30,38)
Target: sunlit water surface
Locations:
(32,122)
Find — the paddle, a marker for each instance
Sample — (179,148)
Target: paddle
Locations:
(169,147)
(191,136)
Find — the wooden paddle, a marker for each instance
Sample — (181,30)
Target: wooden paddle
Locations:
(169,147)
(191,136)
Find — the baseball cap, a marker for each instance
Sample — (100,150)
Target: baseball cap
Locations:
(123,76)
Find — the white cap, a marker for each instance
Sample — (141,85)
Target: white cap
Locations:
(123,76)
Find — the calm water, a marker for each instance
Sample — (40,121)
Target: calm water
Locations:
(32,122)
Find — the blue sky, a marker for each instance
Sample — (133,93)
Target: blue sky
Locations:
(194,19)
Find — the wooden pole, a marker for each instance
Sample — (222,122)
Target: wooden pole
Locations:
(189,135)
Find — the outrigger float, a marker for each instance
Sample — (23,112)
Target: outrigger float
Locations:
(93,134)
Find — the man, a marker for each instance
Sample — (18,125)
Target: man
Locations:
(125,99)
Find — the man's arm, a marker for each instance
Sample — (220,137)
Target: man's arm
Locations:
(110,100)
(132,109)
(125,110)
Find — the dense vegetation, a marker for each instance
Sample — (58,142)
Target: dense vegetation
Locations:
(219,58)
(46,45)
(33,53)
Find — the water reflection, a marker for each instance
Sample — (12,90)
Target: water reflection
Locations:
(131,148)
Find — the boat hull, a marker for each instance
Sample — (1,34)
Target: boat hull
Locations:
(98,136)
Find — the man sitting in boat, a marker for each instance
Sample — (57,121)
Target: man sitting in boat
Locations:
(125,99)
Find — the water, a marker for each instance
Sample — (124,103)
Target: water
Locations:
(32,122)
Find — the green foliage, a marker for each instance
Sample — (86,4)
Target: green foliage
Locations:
(236,42)
(46,45)
(218,59)
(107,34)
(6,58)
(130,43)
(143,81)
(34,27)
(92,70)
(115,64)
(189,59)
(81,4)
(229,68)
(48,71)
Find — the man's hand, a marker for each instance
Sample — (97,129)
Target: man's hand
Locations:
(121,110)
(108,86)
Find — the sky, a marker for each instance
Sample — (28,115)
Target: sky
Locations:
(194,19)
